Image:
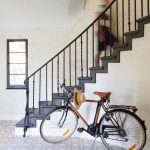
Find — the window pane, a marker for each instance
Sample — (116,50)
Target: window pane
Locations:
(17,62)
(17,46)
(17,58)
(17,79)
(17,68)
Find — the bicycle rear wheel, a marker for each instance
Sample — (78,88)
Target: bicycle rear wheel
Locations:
(58,125)
(123,130)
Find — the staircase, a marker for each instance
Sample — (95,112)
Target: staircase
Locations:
(75,62)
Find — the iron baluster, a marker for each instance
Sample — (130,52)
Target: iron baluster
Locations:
(110,32)
(75,62)
(99,37)
(70,64)
(135,17)
(116,19)
(52,81)
(141,8)
(64,67)
(123,21)
(26,119)
(39,90)
(87,53)
(46,86)
(81,56)
(58,74)
(148,7)
(93,42)
(33,92)
(129,21)
(105,36)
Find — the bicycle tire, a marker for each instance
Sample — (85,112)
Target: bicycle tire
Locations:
(52,130)
(115,138)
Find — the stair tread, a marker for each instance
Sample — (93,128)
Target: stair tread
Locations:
(143,18)
(96,68)
(36,112)
(120,46)
(59,96)
(21,122)
(71,88)
(108,57)
(84,78)
(44,104)
(132,32)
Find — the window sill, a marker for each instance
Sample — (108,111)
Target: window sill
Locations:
(16,87)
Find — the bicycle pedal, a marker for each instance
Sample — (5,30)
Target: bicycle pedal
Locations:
(80,130)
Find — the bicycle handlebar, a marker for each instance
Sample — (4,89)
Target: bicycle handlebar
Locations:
(67,91)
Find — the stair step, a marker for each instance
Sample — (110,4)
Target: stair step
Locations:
(96,68)
(132,33)
(84,78)
(44,104)
(42,112)
(39,115)
(71,88)
(143,18)
(32,123)
(20,123)
(58,96)
(34,116)
(108,57)
(37,112)
(33,110)
(120,46)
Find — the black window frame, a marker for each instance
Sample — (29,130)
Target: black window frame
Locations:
(8,66)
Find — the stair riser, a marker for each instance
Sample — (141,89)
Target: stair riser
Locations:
(46,110)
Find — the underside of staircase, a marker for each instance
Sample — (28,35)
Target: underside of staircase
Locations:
(44,106)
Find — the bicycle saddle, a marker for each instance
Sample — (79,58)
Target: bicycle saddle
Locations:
(103,94)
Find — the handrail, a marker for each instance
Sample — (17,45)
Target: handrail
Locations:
(71,41)
(74,59)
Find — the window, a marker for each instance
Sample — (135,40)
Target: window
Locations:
(17,63)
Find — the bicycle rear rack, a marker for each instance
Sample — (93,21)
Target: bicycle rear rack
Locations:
(130,108)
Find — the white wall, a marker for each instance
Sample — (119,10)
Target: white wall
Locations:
(43,42)
(128,81)
(39,13)
(42,45)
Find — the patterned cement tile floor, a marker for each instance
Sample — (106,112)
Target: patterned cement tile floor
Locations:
(8,141)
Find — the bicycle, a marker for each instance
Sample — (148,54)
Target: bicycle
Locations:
(119,127)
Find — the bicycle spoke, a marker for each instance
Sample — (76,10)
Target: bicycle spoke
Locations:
(123,130)
(59,127)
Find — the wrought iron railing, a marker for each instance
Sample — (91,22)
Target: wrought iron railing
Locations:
(74,60)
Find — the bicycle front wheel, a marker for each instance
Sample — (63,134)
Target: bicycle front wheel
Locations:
(58,125)
(123,130)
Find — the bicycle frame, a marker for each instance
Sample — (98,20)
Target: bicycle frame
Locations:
(93,128)
(96,120)
(98,108)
